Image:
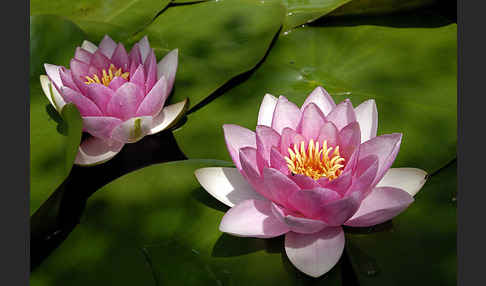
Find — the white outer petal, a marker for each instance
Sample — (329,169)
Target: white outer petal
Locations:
(168,116)
(55,98)
(410,180)
(90,47)
(367,117)
(316,253)
(227,185)
(265,114)
(94,151)
(127,132)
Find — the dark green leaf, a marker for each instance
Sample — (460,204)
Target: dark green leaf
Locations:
(166,229)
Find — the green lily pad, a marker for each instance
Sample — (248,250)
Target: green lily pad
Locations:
(120,18)
(410,72)
(302,12)
(217,41)
(157,226)
(73,124)
(420,249)
(45,46)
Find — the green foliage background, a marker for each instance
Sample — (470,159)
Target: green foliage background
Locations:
(157,226)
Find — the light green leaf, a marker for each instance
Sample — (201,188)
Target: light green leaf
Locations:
(410,72)
(120,19)
(217,40)
(302,12)
(74,127)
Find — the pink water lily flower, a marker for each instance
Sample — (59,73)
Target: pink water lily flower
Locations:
(120,95)
(307,171)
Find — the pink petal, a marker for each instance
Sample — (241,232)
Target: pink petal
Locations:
(316,253)
(116,82)
(85,106)
(278,185)
(265,114)
(342,114)
(252,218)
(120,58)
(168,67)
(138,78)
(125,102)
(329,133)
(227,185)
(249,170)
(100,95)
(382,204)
(94,151)
(144,47)
(310,202)
(339,211)
(100,126)
(154,101)
(365,174)
(132,130)
(135,58)
(277,161)
(288,139)
(237,137)
(150,68)
(52,72)
(304,182)
(266,138)
(367,117)
(349,139)
(67,79)
(79,71)
(100,61)
(386,147)
(83,55)
(322,99)
(286,114)
(297,224)
(311,122)
(340,185)
(107,46)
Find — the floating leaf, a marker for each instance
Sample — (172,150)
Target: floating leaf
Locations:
(217,40)
(410,72)
(120,19)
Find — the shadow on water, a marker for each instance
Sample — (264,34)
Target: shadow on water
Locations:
(59,215)
(441,14)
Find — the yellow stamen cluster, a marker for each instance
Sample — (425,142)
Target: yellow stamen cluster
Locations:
(315,162)
(108,76)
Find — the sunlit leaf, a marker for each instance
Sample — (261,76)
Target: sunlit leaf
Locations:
(410,72)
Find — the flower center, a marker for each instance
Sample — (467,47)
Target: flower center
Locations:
(107,76)
(315,162)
